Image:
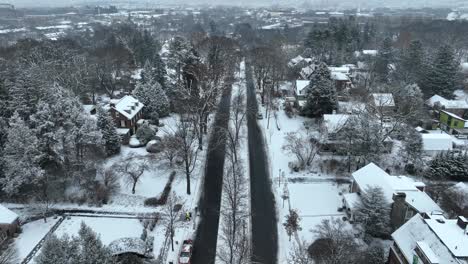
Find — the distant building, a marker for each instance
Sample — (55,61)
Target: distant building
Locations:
(430,239)
(434,143)
(453,124)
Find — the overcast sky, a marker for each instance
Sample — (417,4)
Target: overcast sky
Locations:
(313,3)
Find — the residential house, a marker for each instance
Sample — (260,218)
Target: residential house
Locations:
(300,91)
(9,223)
(405,196)
(457,107)
(434,143)
(331,126)
(453,124)
(383,103)
(126,112)
(430,239)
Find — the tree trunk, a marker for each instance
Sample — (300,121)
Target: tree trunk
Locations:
(187,174)
(134,186)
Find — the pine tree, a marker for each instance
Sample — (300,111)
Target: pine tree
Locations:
(441,74)
(159,70)
(373,212)
(321,96)
(146,73)
(448,166)
(58,250)
(109,132)
(153,96)
(413,63)
(92,249)
(383,61)
(21,157)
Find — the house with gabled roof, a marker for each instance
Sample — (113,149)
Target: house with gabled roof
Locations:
(405,196)
(126,112)
(430,239)
(9,223)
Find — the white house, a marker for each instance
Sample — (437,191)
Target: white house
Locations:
(406,196)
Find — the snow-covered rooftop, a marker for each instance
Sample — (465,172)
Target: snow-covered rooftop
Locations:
(339,76)
(383,99)
(128,106)
(6,215)
(372,175)
(437,142)
(342,69)
(448,104)
(351,200)
(301,86)
(334,122)
(128,245)
(452,235)
(418,230)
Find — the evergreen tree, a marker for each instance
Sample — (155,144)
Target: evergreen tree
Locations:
(321,96)
(87,248)
(58,250)
(448,166)
(441,74)
(413,63)
(412,146)
(383,61)
(92,249)
(109,132)
(373,212)
(159,70)
(146,73)
(152,95)
(21,157)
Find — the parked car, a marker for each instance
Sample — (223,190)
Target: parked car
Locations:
(259,116)
(185,256)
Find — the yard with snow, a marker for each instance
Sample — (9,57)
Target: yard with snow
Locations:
(313,192)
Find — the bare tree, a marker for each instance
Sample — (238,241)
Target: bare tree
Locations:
(335,244)
(302,146)
(170,148)
(9,256)
(172,216)
(132,168)
(237,119)
(187,147)
(299,254)
(234,215)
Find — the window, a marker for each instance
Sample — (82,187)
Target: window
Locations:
(122,123)
(455,123)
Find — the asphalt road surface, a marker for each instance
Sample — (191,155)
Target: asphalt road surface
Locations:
(210,200)
(263,209)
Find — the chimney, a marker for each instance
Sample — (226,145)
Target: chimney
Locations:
(462,222)
(399,197)
(398,212)
(112,104)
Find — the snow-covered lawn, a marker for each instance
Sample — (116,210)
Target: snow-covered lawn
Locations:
(315,194)
(31,234)
(314,202)
(109,229)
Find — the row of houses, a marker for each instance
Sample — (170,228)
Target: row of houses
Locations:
(422,234)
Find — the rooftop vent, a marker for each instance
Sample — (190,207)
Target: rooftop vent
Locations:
(128,111)
(442,221)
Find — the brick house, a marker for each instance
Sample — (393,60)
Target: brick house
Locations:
(430,239)
(126,112)
(9,223)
